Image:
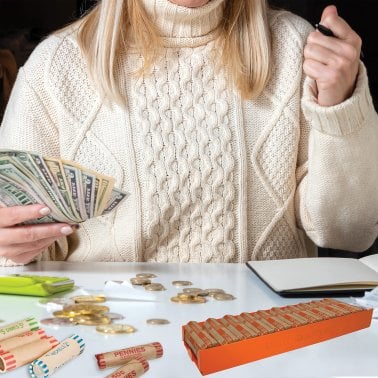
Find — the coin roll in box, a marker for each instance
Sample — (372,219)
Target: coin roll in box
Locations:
(218,344)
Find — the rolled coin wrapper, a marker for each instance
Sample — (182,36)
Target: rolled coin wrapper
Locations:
(46,365)
(26,353)
(134,368)
(17,328)
(22,339)
(122,356)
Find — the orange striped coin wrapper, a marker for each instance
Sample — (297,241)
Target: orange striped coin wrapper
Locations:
(121,356)
(133,369)
(46,365)
(17,328)
(22,339)
(26,353)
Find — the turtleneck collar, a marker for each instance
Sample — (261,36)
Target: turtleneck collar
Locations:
(185,27)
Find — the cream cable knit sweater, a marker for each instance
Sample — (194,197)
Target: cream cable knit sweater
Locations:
(212,178)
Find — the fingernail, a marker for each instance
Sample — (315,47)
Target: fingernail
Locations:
(44,211)
(66,230)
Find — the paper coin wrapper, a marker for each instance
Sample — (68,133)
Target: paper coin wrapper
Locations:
(17,328)
(22,339)
(26,353)
(218,344)
(122,356)
(46,365)
(134,368)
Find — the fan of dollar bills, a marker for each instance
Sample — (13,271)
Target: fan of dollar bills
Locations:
(73,193)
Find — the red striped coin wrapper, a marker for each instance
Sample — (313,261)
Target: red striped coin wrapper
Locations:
(26,353)
(121,356)
(133,369)
(24,338)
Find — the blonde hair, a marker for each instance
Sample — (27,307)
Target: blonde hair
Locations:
(105,32)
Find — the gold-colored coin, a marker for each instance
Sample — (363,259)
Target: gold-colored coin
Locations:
(86,308)
(146,275)
(157,321)
(214,291)
(181,283)
(189,300)
(195,291)
(64,314)
(223,297)
(91,319)
(186,296)
(154,287)
(191,290)
(115,328)
(89,298)
(140,281)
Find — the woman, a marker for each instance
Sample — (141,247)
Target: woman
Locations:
(200,109)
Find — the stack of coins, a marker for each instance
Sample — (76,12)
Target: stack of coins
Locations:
(144,279)
(84,314)
(190,295)
(233,328)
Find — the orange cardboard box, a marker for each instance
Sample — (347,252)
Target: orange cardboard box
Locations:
(241,352)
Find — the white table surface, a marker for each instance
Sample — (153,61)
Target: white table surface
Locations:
(355,354)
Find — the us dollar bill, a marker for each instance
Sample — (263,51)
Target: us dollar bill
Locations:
(72,192)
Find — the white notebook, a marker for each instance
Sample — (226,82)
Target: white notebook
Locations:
(318,275)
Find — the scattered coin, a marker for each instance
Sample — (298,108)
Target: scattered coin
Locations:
(118,282)
(114,316)
(195,291)
(58,322)
(191,290)
(89,298)
(115,328)
(140,281)
(154,287)
(157,321)
(214,291)
(181,283)
(223,297)
(193,300)
(146,275)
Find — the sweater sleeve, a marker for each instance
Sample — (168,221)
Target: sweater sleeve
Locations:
(28,126)
(337,192)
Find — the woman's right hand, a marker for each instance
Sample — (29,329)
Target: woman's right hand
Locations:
(22,243)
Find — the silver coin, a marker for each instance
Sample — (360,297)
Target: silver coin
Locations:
(157,321)
(154,287)
(57,322)
(223,297)
(181,283)
(146,275)
(114,316)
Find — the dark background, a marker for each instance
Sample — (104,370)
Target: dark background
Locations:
(23,23)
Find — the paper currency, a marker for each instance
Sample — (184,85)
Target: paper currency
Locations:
(72,192)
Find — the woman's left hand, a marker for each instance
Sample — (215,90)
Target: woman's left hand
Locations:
(333,61)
